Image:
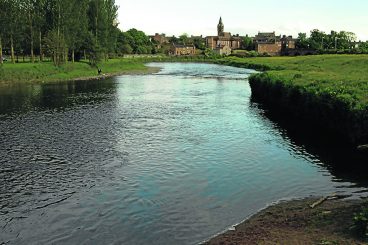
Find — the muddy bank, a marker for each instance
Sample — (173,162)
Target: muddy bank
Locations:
(295,222)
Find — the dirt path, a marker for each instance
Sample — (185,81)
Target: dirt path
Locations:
(295,222)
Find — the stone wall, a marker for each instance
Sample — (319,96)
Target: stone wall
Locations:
(270,48)
(189,50)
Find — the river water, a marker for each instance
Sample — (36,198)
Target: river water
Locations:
(169,158)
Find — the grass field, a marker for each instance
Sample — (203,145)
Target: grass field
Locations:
(47,72)
(344,77)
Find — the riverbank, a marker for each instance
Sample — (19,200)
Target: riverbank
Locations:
(328,91)
(295,222)
(46,72)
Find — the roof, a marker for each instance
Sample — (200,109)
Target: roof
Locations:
(262,35)
(288,38)
(266,37)
(231,38)
(266,33)
(193,37)
(182,46)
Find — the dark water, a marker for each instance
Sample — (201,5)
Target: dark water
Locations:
(172,158)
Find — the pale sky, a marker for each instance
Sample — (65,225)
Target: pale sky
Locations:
(200,17)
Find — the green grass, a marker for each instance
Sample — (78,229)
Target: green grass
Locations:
(344,77)
(47,72)
(26,72)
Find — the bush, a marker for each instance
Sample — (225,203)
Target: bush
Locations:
(211,54)
(361,223)
(253,54)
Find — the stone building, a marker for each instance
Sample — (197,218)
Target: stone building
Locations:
(268,42)
(179,50)
(159,40)
(287,42)
(223,39)
(224,50)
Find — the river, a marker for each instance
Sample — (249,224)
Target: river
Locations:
(169,158)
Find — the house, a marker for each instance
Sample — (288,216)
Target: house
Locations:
(177,49)
(287,42)
(223,50)
(159,40)
(268,42)
(223,39)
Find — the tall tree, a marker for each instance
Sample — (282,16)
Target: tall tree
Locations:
(59,27)
(139,41)
(184,39)
(40,23)
(75,25)
(2,28)
(54,40)
(1,51)
(317,39)
(28,10)
(346,39)
(112,31)
(102,22)
(248,43)
(11,16)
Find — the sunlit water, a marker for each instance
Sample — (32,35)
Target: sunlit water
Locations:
(170,158)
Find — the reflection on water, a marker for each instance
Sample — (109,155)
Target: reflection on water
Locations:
(20,98)
(170,158)
(343,162)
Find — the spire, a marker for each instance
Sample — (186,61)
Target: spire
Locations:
(220,28)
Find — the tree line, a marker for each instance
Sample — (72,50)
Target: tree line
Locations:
(65,30)
(319,40)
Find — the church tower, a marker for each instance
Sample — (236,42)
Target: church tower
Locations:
(220,28)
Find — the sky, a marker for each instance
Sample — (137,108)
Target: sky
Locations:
(285,17)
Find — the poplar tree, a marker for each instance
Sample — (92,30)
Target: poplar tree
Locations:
(2,28)
(11,16)
(59,28)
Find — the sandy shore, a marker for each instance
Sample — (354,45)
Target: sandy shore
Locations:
(295,222)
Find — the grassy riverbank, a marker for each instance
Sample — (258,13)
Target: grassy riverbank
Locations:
(342,76)
(47,72)
(295,222)
(330,91)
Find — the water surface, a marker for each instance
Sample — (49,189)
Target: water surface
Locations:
(169,158)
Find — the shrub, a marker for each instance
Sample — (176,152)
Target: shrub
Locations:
(361,223)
